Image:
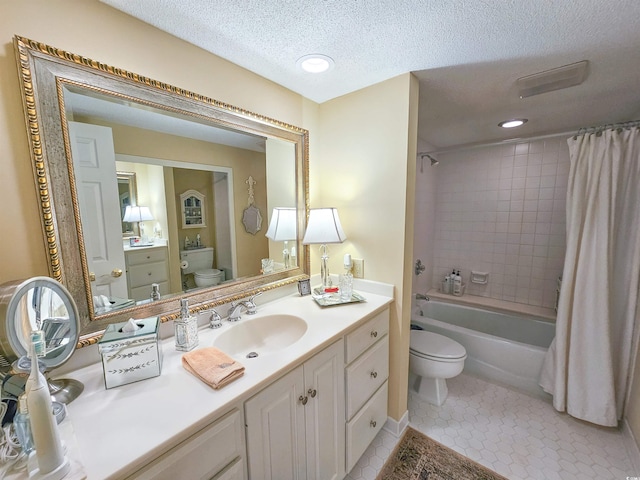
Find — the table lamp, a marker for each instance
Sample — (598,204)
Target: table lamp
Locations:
(137,214)
(324,227)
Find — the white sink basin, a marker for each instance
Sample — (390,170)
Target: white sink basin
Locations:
(261,335)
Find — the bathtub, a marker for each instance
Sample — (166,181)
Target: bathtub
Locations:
(504,348)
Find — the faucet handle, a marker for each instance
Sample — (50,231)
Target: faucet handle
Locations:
(250,304)
(215,320)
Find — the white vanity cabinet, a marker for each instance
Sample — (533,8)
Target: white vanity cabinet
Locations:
(367,371)
(217,452)
(146,266)
(295,426)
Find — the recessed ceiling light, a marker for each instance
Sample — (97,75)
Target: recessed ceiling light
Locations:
(315,63)
(516,122)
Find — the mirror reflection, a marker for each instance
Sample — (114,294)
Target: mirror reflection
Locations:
(135,177)
(160,197)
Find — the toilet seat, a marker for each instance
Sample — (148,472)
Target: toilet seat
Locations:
(436,347)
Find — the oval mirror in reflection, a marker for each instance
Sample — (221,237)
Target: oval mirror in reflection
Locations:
(39,304)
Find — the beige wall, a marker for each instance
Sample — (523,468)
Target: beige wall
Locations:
(367,171)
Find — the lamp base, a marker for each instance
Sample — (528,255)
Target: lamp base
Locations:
(324,268)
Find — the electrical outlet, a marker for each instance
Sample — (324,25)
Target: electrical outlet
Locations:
(358,267)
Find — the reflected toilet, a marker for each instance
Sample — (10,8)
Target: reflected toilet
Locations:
(199,262)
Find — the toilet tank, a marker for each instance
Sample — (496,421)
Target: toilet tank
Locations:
(195,260)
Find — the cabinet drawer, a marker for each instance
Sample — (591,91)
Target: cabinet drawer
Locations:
(204,455)
(366,374)
(148,274)
(148,255)
(366,335)
(363,428)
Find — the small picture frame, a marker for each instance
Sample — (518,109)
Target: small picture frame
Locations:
(304,287)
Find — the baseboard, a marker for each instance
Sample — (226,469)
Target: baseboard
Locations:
(631,444)
(397,428)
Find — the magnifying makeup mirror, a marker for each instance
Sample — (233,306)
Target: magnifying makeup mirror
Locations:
(39,304)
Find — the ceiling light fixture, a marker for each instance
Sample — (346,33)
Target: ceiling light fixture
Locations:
(315,63)
(515,122)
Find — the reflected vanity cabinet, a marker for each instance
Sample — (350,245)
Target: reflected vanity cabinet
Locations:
(366,374)
(295,426)
(146,266)
(216,452)
(193,212)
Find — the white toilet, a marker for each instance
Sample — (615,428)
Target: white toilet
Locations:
(200,263)
(432,359)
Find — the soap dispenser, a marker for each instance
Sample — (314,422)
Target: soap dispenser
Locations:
(186,329)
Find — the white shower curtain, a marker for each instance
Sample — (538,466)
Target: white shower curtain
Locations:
(588,364)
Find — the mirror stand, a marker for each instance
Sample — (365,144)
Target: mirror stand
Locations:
(65,390)
(40,304)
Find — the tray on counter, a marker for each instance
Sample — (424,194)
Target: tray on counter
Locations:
(332,299)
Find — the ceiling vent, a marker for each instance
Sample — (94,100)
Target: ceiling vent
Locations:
(554,79)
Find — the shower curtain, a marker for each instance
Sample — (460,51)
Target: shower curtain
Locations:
(588,364)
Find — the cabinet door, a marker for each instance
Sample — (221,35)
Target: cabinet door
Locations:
(276,430)
(324,414)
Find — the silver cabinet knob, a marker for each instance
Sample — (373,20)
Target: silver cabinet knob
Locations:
(373,424)
(374,333)
(312,392)
(374,374)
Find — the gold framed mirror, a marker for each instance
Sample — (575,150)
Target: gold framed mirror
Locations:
(169,141)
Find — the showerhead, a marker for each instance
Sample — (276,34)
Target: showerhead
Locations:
(433,160)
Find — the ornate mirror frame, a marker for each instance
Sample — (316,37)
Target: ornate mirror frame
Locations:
(44,72)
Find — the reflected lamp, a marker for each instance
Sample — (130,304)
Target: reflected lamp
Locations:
(282,228)
(137,214)
(324,227)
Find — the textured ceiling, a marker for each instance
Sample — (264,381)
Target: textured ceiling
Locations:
(467,54)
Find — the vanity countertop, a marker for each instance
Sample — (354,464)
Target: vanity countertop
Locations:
(118,431)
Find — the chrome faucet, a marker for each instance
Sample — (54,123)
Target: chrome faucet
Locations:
(215,320)
(420,296)
(250,304)
(235,311)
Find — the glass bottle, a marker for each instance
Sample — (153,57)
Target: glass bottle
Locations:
(22,425)
(186,329)
(346,280)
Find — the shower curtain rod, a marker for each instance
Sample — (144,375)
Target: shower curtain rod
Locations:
(608,126)
(580,131)
(470,146)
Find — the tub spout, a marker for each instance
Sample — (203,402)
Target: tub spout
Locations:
(420,296)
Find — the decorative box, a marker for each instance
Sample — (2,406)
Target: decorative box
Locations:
(130,356)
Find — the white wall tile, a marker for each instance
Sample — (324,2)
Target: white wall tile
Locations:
(502,208)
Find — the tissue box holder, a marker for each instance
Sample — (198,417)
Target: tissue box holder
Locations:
(130,356)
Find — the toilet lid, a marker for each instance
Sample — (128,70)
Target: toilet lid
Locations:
(432,344)
(208,273)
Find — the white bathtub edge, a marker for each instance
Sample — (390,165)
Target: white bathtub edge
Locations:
(632,446)
(397,428)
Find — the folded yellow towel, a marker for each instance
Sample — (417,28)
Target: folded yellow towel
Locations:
(212,366)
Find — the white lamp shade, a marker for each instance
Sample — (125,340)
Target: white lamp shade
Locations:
(324,227)
(283,224)
(135,213)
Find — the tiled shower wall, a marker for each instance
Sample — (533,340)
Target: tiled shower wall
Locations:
(501,210)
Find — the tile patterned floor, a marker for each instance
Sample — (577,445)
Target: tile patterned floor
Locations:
(515,435)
